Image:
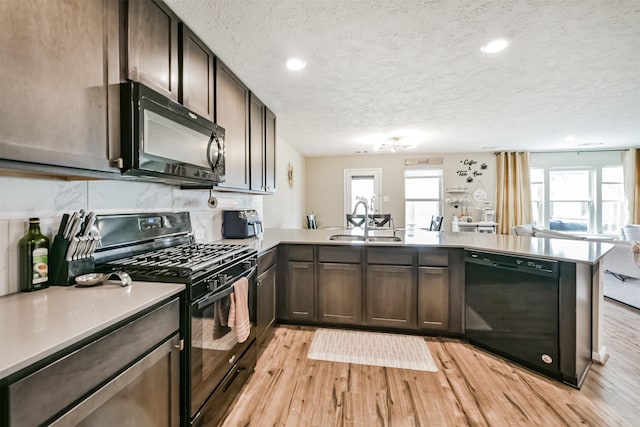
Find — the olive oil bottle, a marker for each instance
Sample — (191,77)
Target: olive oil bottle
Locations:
(34,258)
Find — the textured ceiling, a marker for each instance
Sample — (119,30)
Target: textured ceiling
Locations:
(383,68)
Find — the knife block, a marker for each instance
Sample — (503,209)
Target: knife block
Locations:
(63,272)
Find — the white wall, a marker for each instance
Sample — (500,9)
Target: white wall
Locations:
(285,208)
(325,183)
(49,199)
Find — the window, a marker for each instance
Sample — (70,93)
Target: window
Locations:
(571,196)
(537,196)
(362,184)
(579,199)
(423,196)
(613,208)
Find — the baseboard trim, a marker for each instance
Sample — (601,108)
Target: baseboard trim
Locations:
(601,356)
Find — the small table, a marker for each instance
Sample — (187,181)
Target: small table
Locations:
(478,227)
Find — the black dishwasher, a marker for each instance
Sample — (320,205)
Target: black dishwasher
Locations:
(512,308)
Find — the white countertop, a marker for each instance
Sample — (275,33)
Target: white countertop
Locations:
(559,249)
(34,325)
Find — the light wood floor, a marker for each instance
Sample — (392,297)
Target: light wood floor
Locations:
(472,387)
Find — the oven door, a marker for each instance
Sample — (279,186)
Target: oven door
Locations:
(214,346)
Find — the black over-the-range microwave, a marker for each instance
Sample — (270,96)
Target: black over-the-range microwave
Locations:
(163,141)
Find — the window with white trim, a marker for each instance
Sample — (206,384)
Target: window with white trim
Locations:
(613,207)
(422,196)
(537,196)
(571,199)
(579,199)
(362,184)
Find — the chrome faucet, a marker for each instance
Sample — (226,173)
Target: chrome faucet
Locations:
(366,216)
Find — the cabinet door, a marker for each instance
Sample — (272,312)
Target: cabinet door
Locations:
(391,296)
(257,147)
(266,304)
(232,113)
(152,42)
(433,298)
(340,293)
(58,61)
(300,291)
(150,389)
(196,74)
(270,151)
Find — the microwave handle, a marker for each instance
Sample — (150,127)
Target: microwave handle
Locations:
(211,161)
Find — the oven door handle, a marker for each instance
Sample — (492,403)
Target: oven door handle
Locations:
(207,300)
(250,272)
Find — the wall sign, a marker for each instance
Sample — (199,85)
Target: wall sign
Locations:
(470,170)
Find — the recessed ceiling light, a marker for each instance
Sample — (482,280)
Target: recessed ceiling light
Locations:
(295,64)
(570,138)
(494,46)
(492,147)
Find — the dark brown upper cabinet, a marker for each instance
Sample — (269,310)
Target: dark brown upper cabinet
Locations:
(232,113)
(59,90)
(262,134)
(197,74)
(150,47)
(270,151)
(257,145)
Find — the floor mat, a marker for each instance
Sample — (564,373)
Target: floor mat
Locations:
(372,348)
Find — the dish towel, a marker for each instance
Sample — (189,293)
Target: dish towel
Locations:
(239,311)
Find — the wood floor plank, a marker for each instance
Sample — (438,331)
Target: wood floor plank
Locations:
(471,388)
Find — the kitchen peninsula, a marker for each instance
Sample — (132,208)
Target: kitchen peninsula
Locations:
(417,285)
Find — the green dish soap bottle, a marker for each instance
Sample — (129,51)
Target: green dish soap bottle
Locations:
(34,258)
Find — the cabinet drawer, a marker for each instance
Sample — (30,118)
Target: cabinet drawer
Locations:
(31,400)
(343,254)
(391,256)
(266,260)
(433,257)
(300,253)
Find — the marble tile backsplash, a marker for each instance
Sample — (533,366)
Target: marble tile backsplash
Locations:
(48,199)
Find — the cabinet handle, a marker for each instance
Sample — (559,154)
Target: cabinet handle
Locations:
(179,345)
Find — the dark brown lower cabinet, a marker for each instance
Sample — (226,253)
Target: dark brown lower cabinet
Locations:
(391,296)
(130,376)
(266,306)
(299,291)
(340,293)
(433,298)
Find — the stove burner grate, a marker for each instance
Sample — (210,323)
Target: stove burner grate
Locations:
(182,260)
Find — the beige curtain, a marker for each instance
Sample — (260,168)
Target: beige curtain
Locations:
(513,201)
(635,208)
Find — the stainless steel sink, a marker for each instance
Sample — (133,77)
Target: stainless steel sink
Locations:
(346,238)
(384,239)
(354,238)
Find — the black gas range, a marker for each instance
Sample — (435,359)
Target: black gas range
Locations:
(159,247)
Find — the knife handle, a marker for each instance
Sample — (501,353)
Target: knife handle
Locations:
(73,246)
(63,225)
